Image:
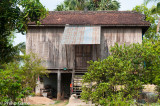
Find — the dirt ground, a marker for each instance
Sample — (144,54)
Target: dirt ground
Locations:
(61,103)
(73,101)
(39,101)
(43,101)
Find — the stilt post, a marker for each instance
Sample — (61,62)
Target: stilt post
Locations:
(58,85)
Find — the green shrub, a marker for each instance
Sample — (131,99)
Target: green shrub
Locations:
(129,67)
(107,75)
(18,80)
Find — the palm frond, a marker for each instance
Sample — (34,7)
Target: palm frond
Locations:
(21,47)
(158,7)
(154,10)
(148,1)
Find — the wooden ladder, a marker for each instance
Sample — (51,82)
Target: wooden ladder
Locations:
(76,83)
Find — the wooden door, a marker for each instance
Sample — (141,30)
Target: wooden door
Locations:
(83,53)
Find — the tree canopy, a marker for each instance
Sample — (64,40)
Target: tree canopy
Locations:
(92,5)
(14,16)
(155,10)
(148,1)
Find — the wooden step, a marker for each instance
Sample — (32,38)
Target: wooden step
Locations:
(78,76)
(77,90)
(83,70)
(77,83)
(77,79)
(77,87)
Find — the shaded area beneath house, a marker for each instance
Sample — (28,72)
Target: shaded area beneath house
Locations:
(50,85)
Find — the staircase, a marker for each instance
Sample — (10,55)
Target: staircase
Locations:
(77,82)
(77,85)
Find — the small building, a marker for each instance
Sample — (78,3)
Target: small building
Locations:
(66,40)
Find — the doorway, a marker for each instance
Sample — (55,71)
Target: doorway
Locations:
(83,53)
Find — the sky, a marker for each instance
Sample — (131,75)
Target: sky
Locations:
(51,5)
(125,4)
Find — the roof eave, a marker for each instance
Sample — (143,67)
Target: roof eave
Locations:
(43,25)
(144,27)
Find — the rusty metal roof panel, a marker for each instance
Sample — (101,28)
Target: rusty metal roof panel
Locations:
(81,35)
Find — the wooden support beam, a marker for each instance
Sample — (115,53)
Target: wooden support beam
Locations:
(58,85)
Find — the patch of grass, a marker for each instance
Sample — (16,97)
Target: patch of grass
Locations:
(58,101)
(152,104)
(66,102)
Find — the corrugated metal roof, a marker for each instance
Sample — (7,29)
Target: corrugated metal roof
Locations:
(81,35)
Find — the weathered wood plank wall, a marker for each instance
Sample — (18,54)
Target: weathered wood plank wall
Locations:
(109,36)
(45,42)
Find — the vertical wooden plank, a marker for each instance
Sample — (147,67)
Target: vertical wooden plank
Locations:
(73,57)
(94,52)
(70,56)
(105,42)
(102,43)
(120,34)
(29,41)
(98,53)
(138,34)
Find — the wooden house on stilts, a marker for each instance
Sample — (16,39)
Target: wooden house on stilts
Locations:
(66,40)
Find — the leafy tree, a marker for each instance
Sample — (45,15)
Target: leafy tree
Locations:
(151,32)
(144,58)
(89,4)
(127,68)
(147,1)
(155,10)
(14,16)
(110,77)
(18,79)
(104,5)
(151,57)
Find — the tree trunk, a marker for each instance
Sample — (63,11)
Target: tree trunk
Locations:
(158,26)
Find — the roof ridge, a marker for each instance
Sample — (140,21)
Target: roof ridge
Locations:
(108,11)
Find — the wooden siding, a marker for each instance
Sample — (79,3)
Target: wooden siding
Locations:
(110,36)
(45,42)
